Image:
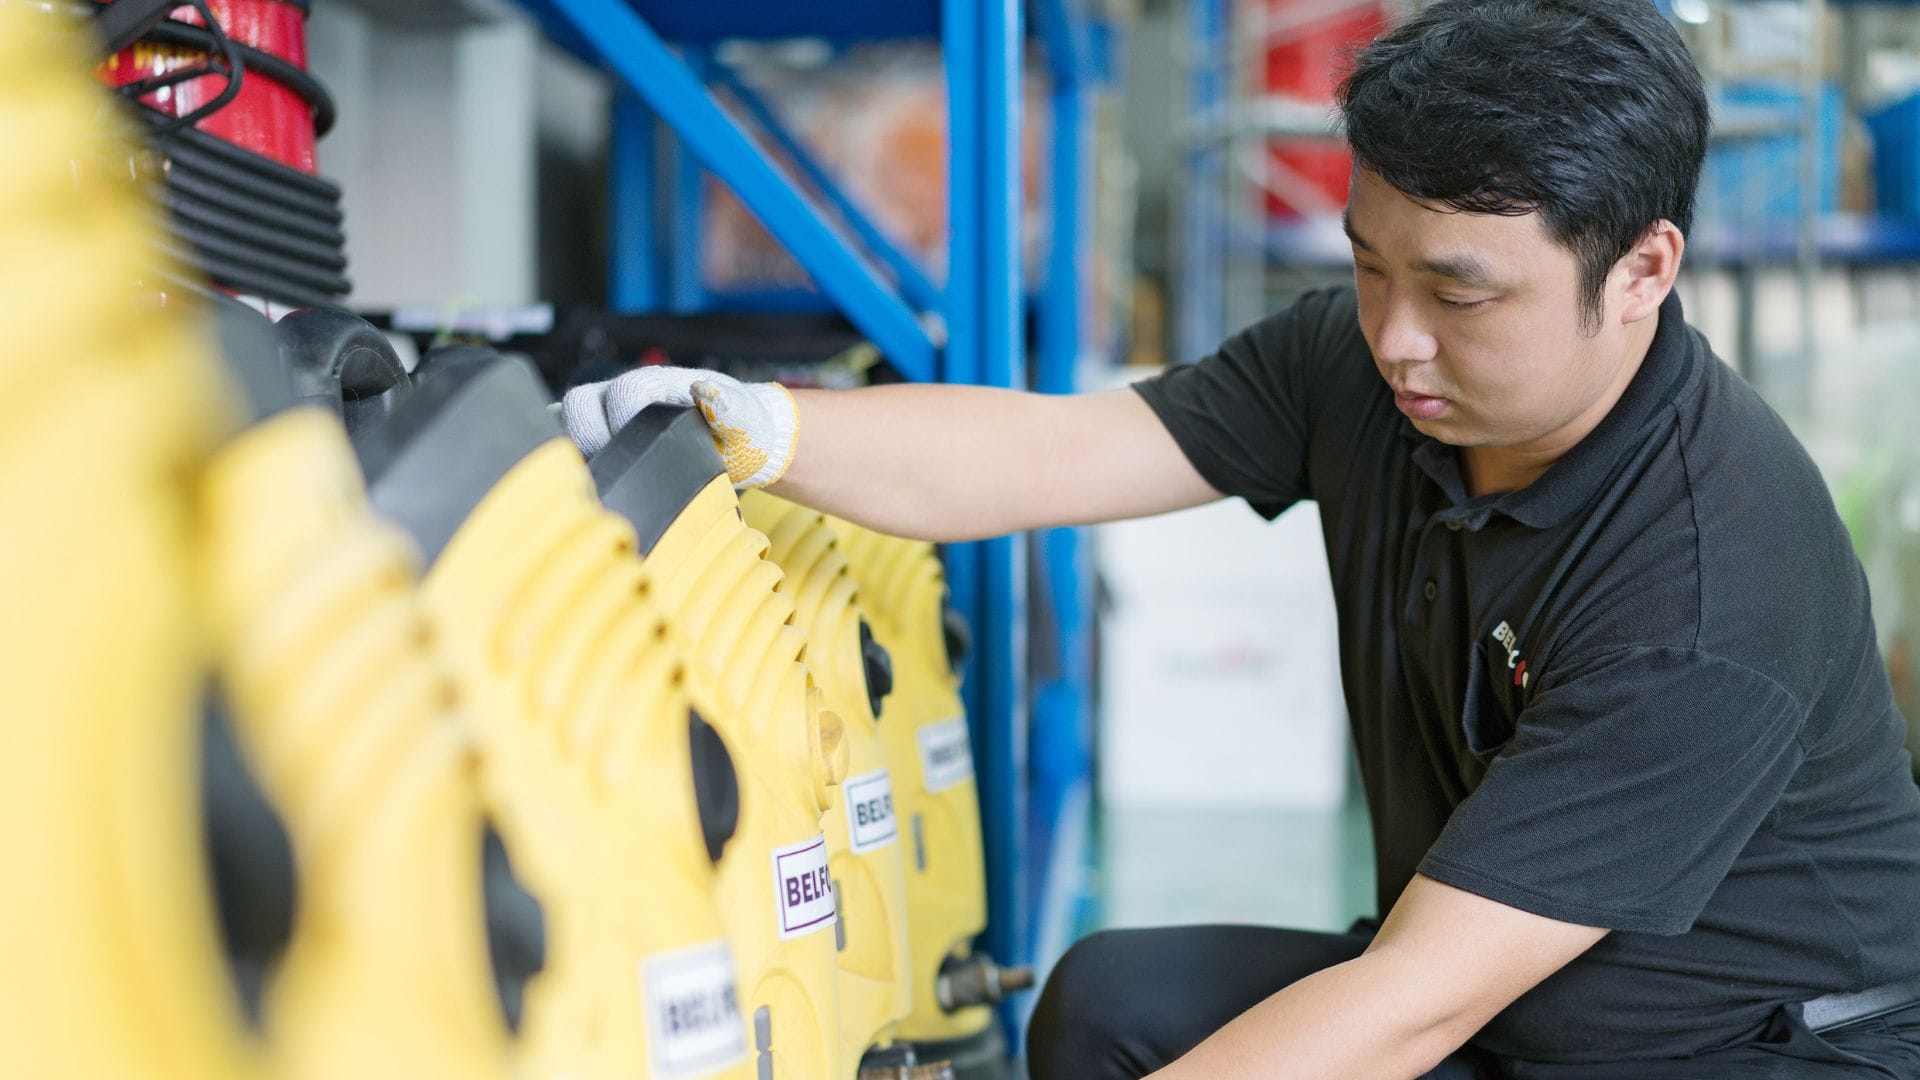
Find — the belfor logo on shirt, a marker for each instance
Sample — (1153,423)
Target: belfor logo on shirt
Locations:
(1515,662)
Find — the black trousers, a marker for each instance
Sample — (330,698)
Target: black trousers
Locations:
(1123,1003)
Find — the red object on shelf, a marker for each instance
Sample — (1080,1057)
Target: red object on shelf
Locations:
(267,117)
(1303,61)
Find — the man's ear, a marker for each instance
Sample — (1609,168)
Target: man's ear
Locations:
(1650,269)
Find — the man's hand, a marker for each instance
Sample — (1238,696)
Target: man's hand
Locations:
(755,425)
(928,462)
(1444,963)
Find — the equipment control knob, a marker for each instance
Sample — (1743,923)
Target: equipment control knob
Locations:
(879,667)
(716,787)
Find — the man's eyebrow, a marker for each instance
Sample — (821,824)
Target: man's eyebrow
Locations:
(1346,225)
(1463,268)
(1467,269)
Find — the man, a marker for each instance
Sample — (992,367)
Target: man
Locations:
(1639,799)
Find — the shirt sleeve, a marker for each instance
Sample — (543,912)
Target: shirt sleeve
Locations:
(1629,786)
(1243,416)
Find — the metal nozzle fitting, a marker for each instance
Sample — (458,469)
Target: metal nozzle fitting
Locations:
(979,981)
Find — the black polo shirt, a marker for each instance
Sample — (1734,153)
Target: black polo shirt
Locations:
(1642,693)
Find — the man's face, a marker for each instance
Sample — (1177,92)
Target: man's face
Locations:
(1475,322)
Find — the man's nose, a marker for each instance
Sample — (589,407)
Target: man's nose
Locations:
(1403,337)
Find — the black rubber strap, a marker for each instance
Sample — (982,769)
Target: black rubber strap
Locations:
(1832,1011)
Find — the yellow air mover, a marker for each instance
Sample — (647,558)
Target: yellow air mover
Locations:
(863,834)
(113,953)
(579,703)
(903,590)
(321,647)
(662,473)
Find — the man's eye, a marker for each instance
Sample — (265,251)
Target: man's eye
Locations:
(1463,305)
(1367,270)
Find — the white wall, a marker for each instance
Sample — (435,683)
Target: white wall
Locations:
(438,149)
(1220,680)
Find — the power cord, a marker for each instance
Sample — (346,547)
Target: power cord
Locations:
(213,39)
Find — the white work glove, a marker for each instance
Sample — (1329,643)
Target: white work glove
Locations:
(755,425)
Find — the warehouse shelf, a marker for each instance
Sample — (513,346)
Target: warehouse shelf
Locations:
(971,328)
(1851,239)
(843,20)
(1232,250)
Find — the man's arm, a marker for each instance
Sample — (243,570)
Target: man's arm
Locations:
(952,463)
(1445,963)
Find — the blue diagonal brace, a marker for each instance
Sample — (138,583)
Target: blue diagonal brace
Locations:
(644,63)
(913,282)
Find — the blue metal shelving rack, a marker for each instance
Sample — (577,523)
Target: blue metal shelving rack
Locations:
(970,329)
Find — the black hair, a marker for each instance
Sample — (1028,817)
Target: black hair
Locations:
(1590,112)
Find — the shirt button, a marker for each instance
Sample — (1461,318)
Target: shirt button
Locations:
(1431,591)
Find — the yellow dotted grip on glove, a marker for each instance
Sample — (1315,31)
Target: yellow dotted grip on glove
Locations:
(742,457)
(745,451)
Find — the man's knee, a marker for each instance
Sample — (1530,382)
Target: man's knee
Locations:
(1091,1001)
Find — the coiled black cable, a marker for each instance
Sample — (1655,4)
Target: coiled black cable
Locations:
(250,223)
(216,155)
(249,280)
(240,252)
(188,36)
(214,222)
(228,64)
(260,201)
(185,193)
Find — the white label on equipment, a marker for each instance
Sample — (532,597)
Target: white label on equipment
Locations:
(946,756)
(803,892)
(870,821)
(693,1014)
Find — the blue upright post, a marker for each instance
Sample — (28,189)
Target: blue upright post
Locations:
(1201,318)
(960,361)
(633,279)
(1061,740)
(986,346)
(686,290)
(1002,632)
(1061,300)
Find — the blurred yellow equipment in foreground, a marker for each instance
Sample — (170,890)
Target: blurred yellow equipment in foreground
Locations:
(114,958)
(323,651)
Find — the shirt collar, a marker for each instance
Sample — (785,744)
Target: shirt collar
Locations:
(1574,480)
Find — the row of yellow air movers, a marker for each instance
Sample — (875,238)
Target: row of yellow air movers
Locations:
(360,728)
